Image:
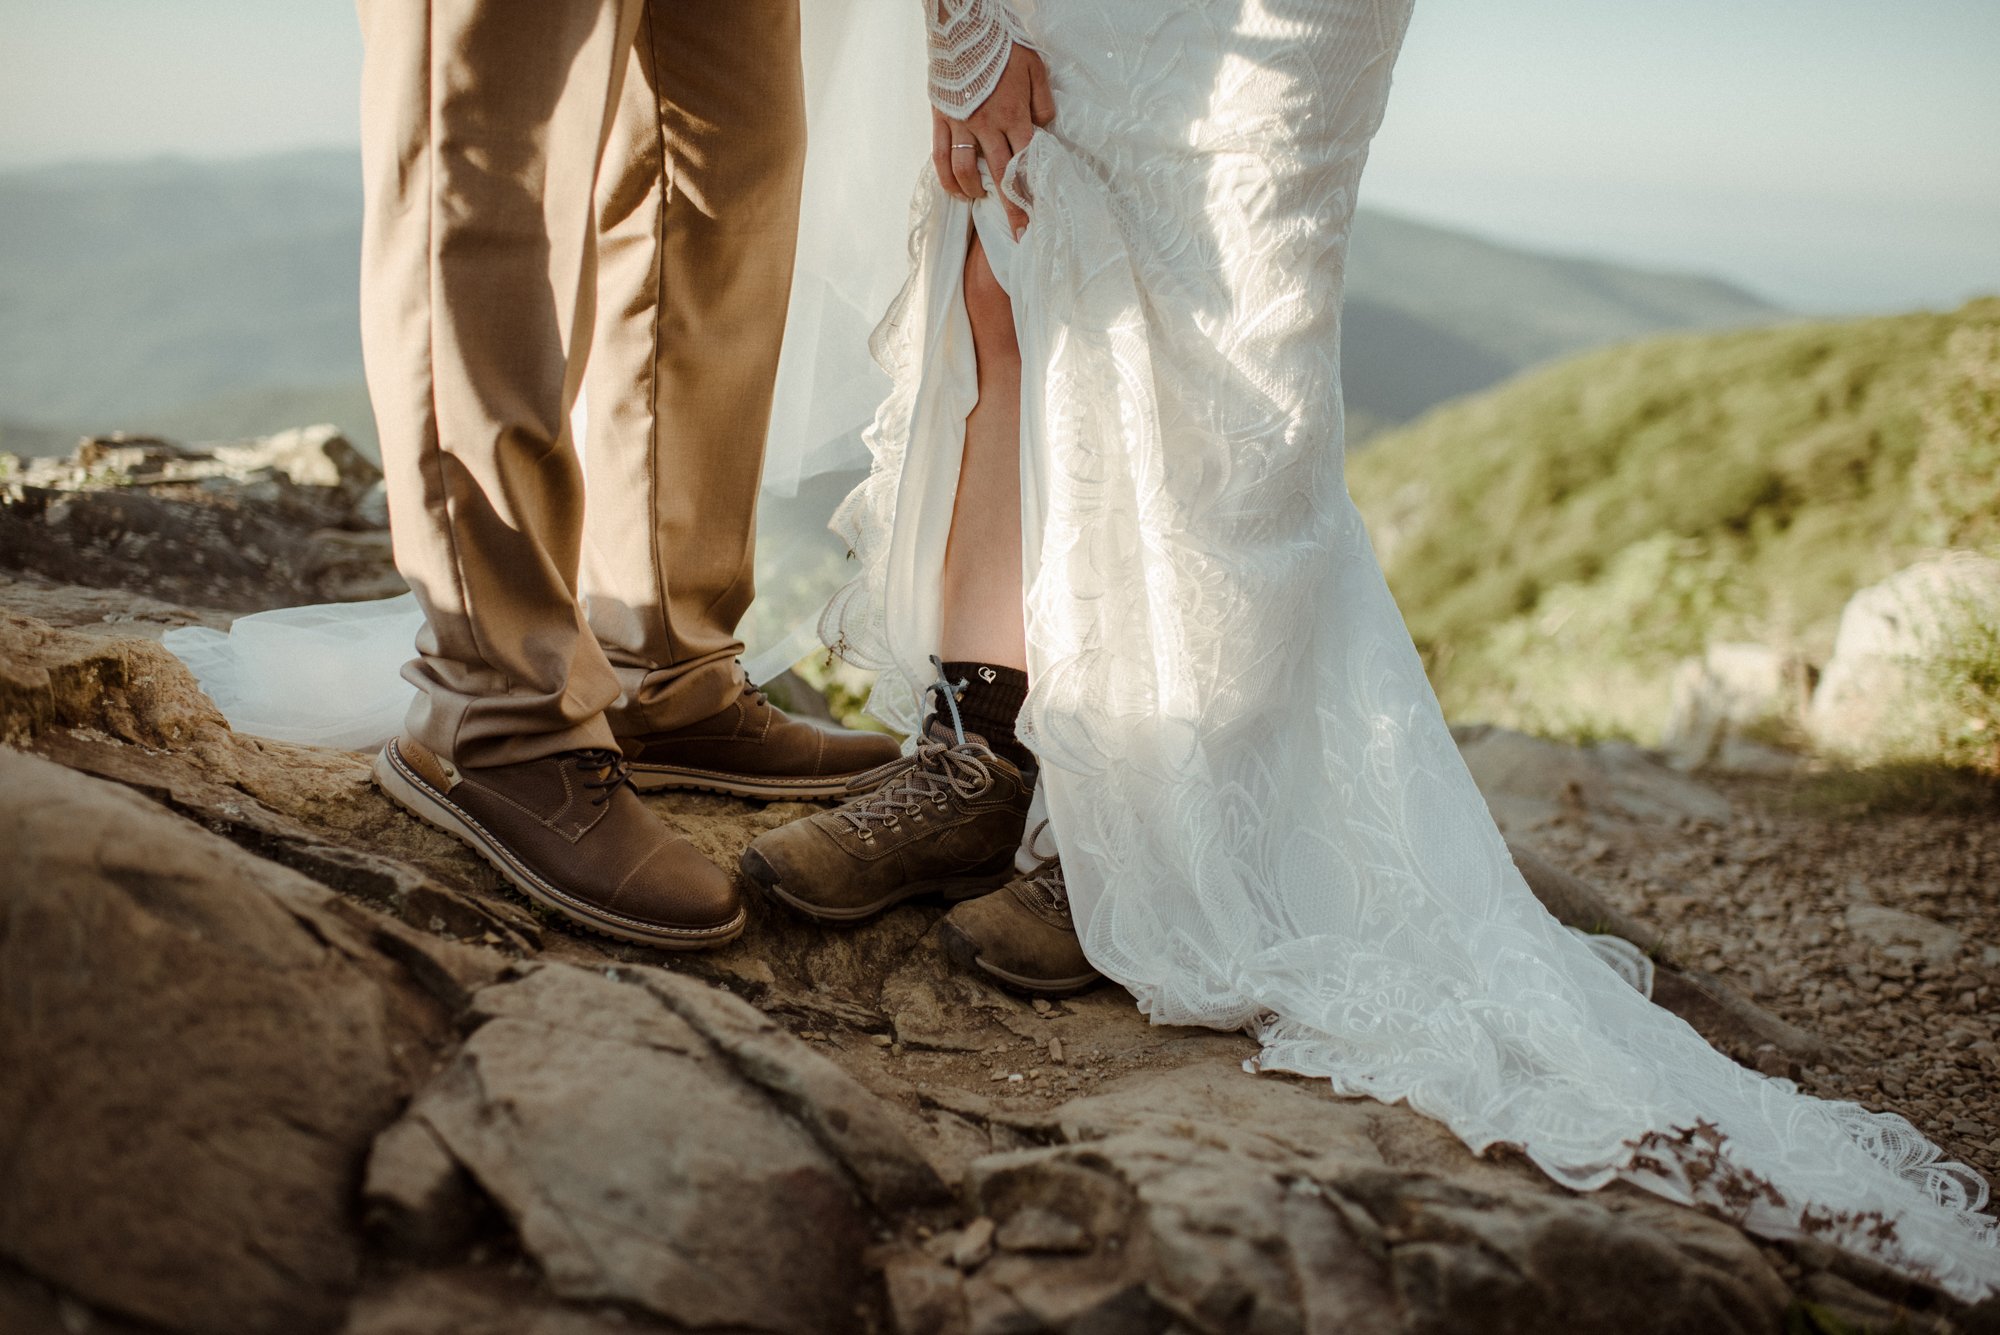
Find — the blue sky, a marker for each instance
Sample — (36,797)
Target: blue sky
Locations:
(1836,155)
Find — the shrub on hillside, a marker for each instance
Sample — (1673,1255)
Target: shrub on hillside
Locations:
(1956,480)
(1558,541)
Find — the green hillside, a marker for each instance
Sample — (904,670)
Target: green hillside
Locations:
(1558,542)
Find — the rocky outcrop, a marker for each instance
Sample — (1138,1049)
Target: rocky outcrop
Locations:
(200,1046)
(290,519)
(1191,1202)
(280,1059)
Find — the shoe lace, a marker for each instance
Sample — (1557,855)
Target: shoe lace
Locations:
(608,770)
(1045,885)
(934,773)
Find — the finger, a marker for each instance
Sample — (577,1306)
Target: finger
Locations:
(993,147)
(1041,98)
(965,160)
(1017,221)
(1017,217)
(941,154)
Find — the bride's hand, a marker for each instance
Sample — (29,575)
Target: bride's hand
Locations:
(997,129)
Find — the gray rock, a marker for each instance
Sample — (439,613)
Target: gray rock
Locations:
(1529,782)
(638,1166)
(420,1203)
(1910,935)
(844,1118)
(307,456)
(243,527)
(1291,1212)
(474,1302)
(372,510)
(199,1046)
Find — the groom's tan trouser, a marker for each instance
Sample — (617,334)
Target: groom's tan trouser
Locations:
(550,183)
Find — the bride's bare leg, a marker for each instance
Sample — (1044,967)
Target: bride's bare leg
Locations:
(981,585)
(1029,949)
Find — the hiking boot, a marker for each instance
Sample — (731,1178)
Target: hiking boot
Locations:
(754,749)
(569,833)
(943,821)
(1022,936)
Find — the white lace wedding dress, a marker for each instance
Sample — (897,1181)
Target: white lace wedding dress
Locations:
(1262,818)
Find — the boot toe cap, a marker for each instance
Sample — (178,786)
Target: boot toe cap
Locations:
(676,887)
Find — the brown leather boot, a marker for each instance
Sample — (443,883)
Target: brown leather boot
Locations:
(1022,935)
(569,832)
(945,821)
(754,749)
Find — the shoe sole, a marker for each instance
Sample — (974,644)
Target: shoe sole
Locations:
(408,790)
(964,952)
(952,890)
(674,778)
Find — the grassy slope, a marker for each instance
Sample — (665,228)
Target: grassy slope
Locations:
(1557,542)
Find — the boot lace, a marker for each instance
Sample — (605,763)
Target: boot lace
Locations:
(608,770)
(931,776)
(1044,887)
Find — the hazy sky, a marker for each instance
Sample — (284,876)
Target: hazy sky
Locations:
(1831,154)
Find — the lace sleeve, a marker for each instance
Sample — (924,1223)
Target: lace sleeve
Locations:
(970,41)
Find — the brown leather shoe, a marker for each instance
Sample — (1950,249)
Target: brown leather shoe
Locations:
(754,749)
(1022,935)
(945,820)
(569,832)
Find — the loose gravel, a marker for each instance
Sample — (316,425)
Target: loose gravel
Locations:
(1763,901)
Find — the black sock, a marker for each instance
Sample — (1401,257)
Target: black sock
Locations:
(988,704)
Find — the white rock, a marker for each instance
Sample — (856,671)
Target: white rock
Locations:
(1873,697)
(1733,686)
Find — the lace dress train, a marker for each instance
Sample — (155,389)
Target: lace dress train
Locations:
(1262,818)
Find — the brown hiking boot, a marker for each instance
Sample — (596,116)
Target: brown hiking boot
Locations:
(754,749)
(945,821)
(1022,936)
(569,832)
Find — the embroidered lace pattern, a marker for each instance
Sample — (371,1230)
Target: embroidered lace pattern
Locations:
(1263,821)
(970,41)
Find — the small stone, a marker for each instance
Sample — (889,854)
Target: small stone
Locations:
(1015,1078)
(1042,1007)
(881,1040)
(1033,1229)
(1904,935)
(1056,1051)
(974,1245)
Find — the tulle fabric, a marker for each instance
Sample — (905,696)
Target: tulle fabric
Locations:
(1263,821)
(327,675)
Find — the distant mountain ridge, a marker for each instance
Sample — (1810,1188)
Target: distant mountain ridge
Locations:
(217,299)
